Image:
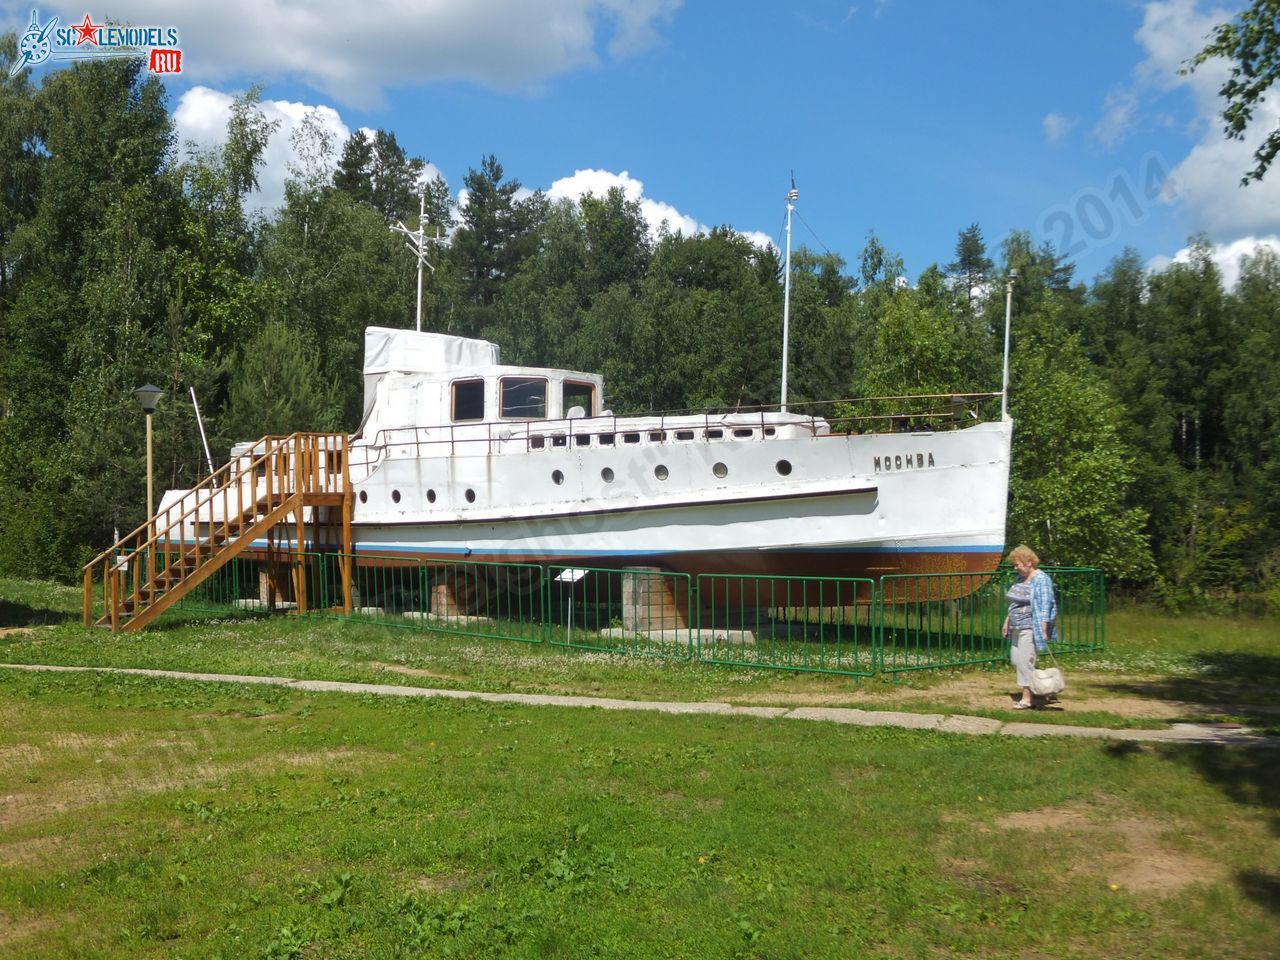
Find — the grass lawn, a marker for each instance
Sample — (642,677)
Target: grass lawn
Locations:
(158,818)
(1156,669)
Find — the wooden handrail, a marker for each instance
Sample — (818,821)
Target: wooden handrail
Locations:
(291,467)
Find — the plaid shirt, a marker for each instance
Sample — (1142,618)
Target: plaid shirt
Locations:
(1044,609)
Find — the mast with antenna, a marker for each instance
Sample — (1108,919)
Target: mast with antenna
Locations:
(792,196)
(417,241)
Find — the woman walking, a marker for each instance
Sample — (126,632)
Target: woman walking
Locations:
(1032,612)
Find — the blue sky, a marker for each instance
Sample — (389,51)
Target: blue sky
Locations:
(912,118)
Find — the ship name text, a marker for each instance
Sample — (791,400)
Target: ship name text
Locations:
(904,461)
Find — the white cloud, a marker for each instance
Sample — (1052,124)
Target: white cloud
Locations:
(759,238)
(1056,127)
(1117,117)
(1208,178)
(201,120)
(655,212)
(1227,256)
(1172,32)
(354,51)
(599,182)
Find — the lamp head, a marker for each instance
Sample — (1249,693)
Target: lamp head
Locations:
(149,397)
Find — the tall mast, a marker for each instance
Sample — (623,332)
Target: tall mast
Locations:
(417,241)
(792,196)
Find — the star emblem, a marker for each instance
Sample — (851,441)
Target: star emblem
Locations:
(88,31)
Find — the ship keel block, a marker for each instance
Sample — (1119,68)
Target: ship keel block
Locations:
(649,602)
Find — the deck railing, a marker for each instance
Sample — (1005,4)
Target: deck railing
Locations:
(931,412)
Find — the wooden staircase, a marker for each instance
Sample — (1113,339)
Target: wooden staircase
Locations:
(162,561)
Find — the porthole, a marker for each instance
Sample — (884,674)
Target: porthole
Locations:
(684,434)
(537,443)
(364,496)
(606,475)
(743,433)
(783,467)
(470,495)
(657,436)
(660,472)
(631,438)
(582,439)
(769,431)
(714,434)
(557,477)
(720,470)
(431,496)
(395,496)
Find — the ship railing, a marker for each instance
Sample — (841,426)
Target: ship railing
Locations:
(921,412)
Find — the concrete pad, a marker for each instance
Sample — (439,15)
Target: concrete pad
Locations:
(868,718)
(972,725)
(1057,730)
(736,638)
(677,637)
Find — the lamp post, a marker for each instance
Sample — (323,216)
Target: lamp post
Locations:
(149,397)
(1008,315)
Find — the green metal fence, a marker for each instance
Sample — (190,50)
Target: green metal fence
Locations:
(850,626)
(494,600)
(497,600)
(932,621)
(1081,595)
(637,611)
(938,621)
(825,625)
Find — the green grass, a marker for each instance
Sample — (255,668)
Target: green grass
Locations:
(148,818)
(1222,669)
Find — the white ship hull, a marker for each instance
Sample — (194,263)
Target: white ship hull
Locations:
(849,505)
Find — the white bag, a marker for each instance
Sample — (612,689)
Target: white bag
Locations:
(1045,683)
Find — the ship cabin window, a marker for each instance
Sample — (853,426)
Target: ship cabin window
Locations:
(468,400)
(606,440)
(575,393)
(537,442)
(684,434)
(583,439)
(714,434)
(524,397)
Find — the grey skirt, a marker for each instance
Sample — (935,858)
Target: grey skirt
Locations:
(1022,653)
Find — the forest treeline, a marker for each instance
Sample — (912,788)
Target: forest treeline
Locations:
(1146,405)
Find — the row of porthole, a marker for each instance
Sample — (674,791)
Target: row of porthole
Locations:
(661,472)
(431,496)
(557,477)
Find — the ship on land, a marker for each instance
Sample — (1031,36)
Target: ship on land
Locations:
(462,459)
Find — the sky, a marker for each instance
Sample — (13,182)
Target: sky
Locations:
(911,119)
